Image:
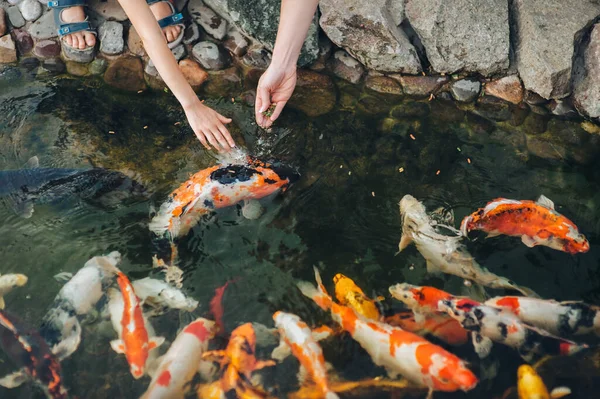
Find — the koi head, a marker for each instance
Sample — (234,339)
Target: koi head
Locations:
(460,310)
(530,384)
(282,319)
(344,286)
(574,242)
(241,348)
(416,297)
(136,370)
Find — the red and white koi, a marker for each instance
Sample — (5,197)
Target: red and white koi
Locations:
(563,319)
(536,222)
(296,335)
(182,361)
(441,326)
(490,324)
(399,351)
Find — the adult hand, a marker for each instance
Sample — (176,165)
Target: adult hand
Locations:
(209,126)
(275,86)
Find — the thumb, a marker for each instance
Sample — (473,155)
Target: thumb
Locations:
(224,119)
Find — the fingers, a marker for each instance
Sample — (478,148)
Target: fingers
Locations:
(219,136)
(278,109)
(202,140)
(211,139)
(262,103)
(225,133)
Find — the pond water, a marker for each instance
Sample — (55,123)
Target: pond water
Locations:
(341,216)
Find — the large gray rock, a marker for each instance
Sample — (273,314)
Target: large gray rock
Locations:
(44,28)
(462,35)
(212,24)
(109,10)
(367,31)
(547,33)
(15,17)
(30,9)
(110,34)
(586,78)
(258,20)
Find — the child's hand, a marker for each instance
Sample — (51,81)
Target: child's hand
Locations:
(209,127)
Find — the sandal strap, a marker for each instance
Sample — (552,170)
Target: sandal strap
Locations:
(66,29)
(65,3)
(173,19)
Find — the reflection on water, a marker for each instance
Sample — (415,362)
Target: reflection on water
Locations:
(342,215)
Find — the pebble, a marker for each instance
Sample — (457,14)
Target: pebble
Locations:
(110,35)
(98,66)
(15,17)
(54,66)
(8,52)
(210,56)
(345,67)
(44,27)
(30,9)
(3,27)
(465,90)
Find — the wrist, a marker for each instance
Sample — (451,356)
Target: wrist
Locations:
(190,102)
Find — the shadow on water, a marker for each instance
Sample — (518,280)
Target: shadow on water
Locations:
(342,215)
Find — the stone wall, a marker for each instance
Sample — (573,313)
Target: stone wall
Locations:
(540,55)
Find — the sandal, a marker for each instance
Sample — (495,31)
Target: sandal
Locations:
(66,28)
(172,20)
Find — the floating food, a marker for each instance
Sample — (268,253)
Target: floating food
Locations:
(349,294)
(296,336)
(8,282)
(536,222)
(531,386)
(399,351)
(444,252)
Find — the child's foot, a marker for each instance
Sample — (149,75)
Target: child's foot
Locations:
(160,11)
(82,39)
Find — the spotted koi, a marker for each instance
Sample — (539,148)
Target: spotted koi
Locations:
(441,326)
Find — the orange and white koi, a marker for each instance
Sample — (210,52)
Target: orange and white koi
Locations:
(531,386)
(29,350)
(8,282)
(218,187)
(442,248)
(536,222)
(133,340)
(238,362)
(563,319)
(399,351)
(490,324)
(439,325)
(350,294)
(182,361)
(296,335)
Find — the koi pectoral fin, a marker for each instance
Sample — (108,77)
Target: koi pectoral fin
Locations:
(529,241)
(155,342)
(483,345)
(118,345)
(281,352)
(14,380)
(405,241)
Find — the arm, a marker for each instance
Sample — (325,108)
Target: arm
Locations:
(208,125)
(277,84)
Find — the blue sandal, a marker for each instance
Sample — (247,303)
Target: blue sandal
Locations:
(172,20)
(66,28)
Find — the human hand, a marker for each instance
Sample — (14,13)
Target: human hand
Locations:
(209,126)
(275,86)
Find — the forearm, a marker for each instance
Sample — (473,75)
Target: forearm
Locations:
(296,16)
(154,42)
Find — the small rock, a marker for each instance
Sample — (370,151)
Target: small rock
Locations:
(410,109)
(2,22)
(54,66)
(314,94)
(191,34)
(29,63)
(126,73)
(44,27)
(325,48)
(561,108)
(533,98)
(345,67)
(109,10)
(179,52)
(213,24)
(383,85)
(590,127)
(15,17)
(77,68)
(465,90)
(493,108)
(539,109)
(541,147)
(421,86)
(134,43)
(210,56)
(110,35)
(30,9)
(236,43)
(47,48)
(98,66)
(23,40)
(224,83)
(249,97)
(193,73)
(151,70)
(254,63)
(508,88)
(8,52)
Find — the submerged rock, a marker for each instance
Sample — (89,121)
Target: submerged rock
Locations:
(225,83)
(77,68)
(8,51)
(465,90)
(366,31)
(98,66)
(586,78)
(314,94)
(508,88)
(345,67)
(126,73)
(383,85)
(547,33)
(462,35)
(54,66)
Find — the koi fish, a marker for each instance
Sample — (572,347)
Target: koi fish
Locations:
(536,222)
(134,340)
(216,187)
(399,351)
(558,318)
(158,294)
(238,362)
(296,335)
(29,350)
(441,326)
(490,324)
(531,386)
(8,282)
(350,294)
(79,296)
(182,361)
(445,253)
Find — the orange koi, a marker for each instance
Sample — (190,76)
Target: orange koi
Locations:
(296,335)
(238,362)
(531,386)
(350,294)
(399,351)
(216,305)
(134,341)
(26,347)
(536,222)
(439,325)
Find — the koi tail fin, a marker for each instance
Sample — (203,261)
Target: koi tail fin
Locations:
(464,225)
(331,395)
(318,294)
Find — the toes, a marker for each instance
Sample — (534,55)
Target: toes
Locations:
(169,35)
(69,40)
(81,41)
(75,40)
(90,39)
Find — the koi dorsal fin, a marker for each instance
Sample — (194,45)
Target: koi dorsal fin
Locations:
(545,201)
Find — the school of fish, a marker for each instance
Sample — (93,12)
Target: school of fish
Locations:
(413,337)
